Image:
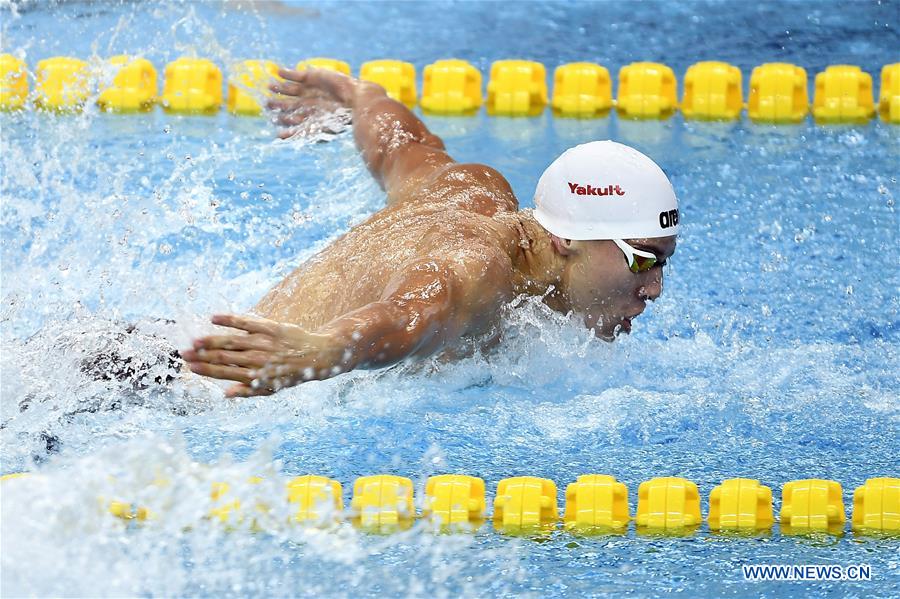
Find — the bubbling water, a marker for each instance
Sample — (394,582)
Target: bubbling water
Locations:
(180,552)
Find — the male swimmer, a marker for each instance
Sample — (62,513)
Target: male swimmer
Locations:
(450,248)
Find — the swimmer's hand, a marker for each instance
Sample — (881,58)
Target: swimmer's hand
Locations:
(264,356)
(312,101)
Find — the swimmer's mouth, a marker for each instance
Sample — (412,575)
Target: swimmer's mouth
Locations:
(626,322)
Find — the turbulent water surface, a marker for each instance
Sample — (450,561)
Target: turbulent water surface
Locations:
(772,354)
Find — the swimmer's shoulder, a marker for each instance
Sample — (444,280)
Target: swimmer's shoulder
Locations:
(489,182)
(467,186)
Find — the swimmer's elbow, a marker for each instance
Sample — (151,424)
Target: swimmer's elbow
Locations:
(416,317)
(385,332)
(405,333)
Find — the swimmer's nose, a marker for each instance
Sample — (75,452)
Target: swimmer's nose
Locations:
(652,289)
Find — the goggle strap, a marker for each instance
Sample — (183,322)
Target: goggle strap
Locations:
(630,254)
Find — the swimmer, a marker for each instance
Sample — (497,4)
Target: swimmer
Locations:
(434,267)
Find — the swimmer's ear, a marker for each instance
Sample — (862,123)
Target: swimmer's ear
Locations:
(562,246)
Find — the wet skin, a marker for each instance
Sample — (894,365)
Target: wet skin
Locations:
(433,267)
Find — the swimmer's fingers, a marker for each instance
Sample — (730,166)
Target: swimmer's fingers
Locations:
(303,131)
(337,84)
(219,371)
(251,324)
(299,117)
(243,390)
(292,75)
(303,110)
(236,342)
(293,91)
(311,128)
(253,358)
(286,88)
(281,104)
(289,133)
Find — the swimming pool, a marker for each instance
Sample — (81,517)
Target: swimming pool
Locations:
(772,354)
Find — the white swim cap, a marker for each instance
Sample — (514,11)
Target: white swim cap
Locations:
(605,190)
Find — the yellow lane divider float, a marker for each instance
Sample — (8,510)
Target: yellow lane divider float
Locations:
(382,501)
(134,87)
(62,84)
(889,99)
(517,88)
(248,83)
(451,87)
(876,505)
(647,90)
(778,94)
(596,501)
(316,498)
(740,504)
(593,503)
(843,95)
(192,86)
(582,90)
(455,500)
(668,503)
(398,78)
(525,502)
(712,90)
(812,504)
(13,82)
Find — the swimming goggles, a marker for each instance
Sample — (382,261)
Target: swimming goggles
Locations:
(638,260)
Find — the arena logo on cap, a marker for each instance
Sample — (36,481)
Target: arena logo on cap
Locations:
(668,218)
(587,190)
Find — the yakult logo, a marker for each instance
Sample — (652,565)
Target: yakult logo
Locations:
(587,190)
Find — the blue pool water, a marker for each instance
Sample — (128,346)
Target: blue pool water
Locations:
(772,354)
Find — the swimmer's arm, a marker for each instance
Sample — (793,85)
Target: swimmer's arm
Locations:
(416,317)
(430,306)
(396,145)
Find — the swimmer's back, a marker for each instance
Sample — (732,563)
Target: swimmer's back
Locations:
(460,209)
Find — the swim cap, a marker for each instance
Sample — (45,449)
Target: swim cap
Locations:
(605,190)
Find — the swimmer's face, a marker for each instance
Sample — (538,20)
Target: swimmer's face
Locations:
(603,290)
